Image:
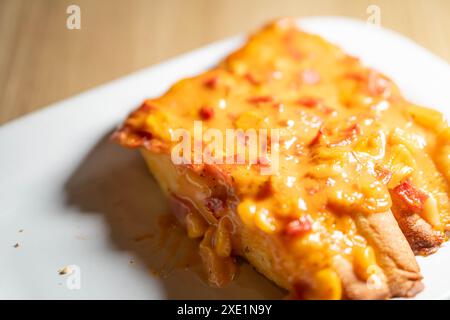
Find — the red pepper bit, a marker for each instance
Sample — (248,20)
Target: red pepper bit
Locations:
(252,79)
(317,138)
(357,76)
(409,197)
(299,226)
(206,112)
(328,110)
(353,130)
(309,102)
(347,135)
(260,99)
(212,82)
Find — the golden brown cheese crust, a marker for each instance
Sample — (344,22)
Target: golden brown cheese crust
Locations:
(352,151)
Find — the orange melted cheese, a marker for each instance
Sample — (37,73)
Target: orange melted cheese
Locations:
(348,140)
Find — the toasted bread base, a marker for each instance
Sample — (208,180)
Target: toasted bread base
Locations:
(268,257)
(393,252)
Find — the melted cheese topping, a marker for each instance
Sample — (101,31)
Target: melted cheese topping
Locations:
(349,141)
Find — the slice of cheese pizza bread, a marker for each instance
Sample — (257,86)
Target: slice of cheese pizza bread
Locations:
(358,184)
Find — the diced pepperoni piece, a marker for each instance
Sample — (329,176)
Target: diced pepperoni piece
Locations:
(409,197)
(206,112)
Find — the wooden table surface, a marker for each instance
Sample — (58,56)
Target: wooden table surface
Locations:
(41,61)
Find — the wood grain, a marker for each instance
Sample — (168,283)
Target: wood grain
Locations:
(41,61)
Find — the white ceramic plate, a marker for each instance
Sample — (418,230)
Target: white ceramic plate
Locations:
(81,200)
